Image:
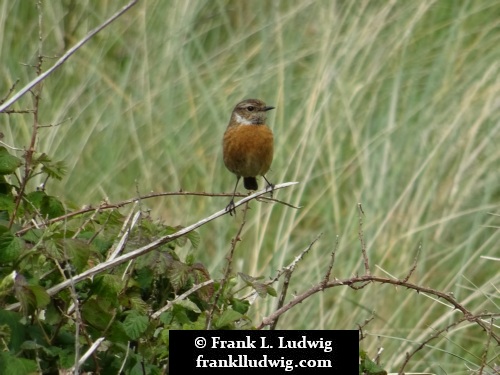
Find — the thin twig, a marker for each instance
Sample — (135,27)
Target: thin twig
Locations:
(109,206)
(414,266)
(288,275)
(361,326)
(88,353)
(124,232)
(362,240)
(11,90)
(183,296)
(332,260)
(234,242)
(64,57)
(484,358)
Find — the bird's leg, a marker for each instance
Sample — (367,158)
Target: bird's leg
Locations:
(269,185)
(230,207)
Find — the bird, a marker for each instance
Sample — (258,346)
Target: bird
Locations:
(248,145)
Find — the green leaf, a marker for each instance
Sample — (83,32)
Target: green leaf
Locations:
(56,169)
(107,285)
(178,274)
(10,246)
(66,356)
(30,296)
(240,306)
(33,235)
(98,313)
(35,198)
(271,291)
(76,251)
(7,203)
(30,345)
(52,207)
(17,366)
(13,332)
(47,205)
(42,298)
(5,187)
(369,367)
(189,305)
(8,163)
(227,317)
(195,238)
(135,324)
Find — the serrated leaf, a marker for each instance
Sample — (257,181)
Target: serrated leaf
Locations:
(76,251)
(55,169)
(35,198)
(227,317)
(42,298)
(13,332)
(30,345)
(369,367)
(10,245)
(5,332)
(194,238)
(135,324)
(66,356)
(178,274)
(33,235)
(138,304)
(261,289)
(189,305)
(98,313)
(180,315)
(24,294)
(7,284)
(8,163)
(52,207)
(107,285)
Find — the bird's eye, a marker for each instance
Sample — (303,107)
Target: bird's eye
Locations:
(250,108)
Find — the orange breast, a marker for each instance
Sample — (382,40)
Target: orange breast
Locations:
(248,149)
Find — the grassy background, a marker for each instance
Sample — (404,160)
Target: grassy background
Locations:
(391,104)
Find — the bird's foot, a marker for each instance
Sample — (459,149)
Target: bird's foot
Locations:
(270,187)
(231,208)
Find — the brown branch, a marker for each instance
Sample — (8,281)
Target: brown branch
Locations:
(427,341)
(28,155)
(11,90)
(365,280)
(110,206)
(361,326)
(288,271)
(332,261)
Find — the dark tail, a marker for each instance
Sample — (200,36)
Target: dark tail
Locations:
(250,183)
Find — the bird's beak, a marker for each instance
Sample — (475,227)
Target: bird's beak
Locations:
(268,108)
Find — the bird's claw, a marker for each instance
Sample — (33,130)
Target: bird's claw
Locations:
(271,187)
(231,208)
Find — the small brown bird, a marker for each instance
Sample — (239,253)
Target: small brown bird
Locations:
(248,145)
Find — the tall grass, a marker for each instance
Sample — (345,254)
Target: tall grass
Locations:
(391,104)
